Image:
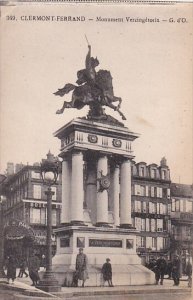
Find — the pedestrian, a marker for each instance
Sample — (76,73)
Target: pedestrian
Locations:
(22,270)
(176,270)
(82,266)
(152,263)
(107,272)
(160,269)
(33,267)
(43,261)
(169,269)
(189,272)
(11,268)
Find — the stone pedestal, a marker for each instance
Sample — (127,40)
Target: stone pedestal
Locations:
(97,172)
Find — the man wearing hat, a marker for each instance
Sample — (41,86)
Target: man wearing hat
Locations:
(176,270)
(82,266)
(107,272)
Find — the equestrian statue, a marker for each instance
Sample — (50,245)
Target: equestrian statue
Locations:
(93,88)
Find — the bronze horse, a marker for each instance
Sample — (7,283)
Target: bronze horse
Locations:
(95,94)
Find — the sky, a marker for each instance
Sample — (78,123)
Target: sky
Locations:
(151,66)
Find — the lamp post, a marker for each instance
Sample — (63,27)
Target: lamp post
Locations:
(49,173)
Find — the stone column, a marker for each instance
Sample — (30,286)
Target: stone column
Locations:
(102,196)
(115,194)
(77,191)
(91,188)
(125,194)
(66,188)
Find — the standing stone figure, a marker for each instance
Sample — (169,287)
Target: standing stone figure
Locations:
(82,266)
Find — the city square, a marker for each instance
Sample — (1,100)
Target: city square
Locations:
(109,211)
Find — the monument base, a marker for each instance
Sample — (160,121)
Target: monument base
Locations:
(99,243)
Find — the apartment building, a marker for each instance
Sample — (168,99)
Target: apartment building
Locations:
(25,207)
(151,207)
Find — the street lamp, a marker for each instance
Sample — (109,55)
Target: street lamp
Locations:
(49,173)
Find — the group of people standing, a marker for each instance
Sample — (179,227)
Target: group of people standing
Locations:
(161,268)
(81,272)
(33,266)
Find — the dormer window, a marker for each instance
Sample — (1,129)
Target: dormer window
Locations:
(153,173)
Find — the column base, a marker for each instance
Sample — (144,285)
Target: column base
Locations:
(49,283)
(127,226)
(103,224)
(77,223)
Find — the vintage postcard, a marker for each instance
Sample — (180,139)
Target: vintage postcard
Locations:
(107,88)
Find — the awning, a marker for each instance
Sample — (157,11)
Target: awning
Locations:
(17,230)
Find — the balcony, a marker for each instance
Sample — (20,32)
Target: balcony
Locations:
(182,216)
(182,237)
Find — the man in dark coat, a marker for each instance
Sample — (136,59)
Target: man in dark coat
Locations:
(33,267)
(11,268)
(81,266)
(107,272)
(22,270)
(176,270)
(160,269)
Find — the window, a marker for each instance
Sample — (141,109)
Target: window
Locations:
(154,243)
(153,173)
(173,205)
(147,221)
(189,206)
(152,208)
(143,224)
(142,171)
(177,205)
(140,241)
(37,191)
(35,175)
(140,190)
(153,191)
(54,217)
(159,224)
(168,193)
(163,209)
(163,174)
(146,191)
(54,190)
(144,207)
(159,243)
(43,216)
(138,223)
(35,215)
(159,192)
(148,242)
(137,206)
(153,225)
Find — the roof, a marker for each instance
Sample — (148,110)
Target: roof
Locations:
(182,190)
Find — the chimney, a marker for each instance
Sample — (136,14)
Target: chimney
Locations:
(10,168)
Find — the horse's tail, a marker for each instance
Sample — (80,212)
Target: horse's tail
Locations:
(65,90)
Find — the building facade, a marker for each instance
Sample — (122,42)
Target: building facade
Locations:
(162,212)
(151,206)
(26,203)
(182,221)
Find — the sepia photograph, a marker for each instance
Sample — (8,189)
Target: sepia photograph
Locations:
(96,150)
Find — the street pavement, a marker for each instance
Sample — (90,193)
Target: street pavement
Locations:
(165,292)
